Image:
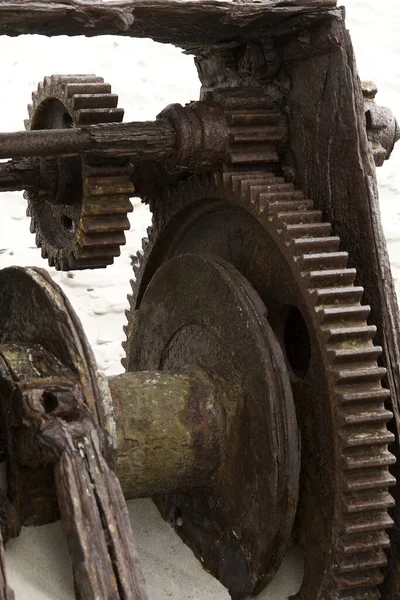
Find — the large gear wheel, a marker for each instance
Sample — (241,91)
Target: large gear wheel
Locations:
(80,217)
(274,236)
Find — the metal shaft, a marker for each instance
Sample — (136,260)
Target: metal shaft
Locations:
(169,431)
(155,139)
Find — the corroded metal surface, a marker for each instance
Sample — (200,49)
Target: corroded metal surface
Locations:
(383,131)
(170,430)
(35,314)
(239,522)
(80,217)
(51,406)
(272,233)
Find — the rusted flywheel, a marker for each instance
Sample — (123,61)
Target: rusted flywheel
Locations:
(266,229)
(80,213)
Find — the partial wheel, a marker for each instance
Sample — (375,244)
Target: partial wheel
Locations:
(280,244)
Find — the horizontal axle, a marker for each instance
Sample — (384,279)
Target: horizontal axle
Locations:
(153,139)
(169,425)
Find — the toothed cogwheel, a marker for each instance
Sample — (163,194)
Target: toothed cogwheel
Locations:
(252,218)
(80,215)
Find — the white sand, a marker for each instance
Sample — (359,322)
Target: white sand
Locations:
(147,77)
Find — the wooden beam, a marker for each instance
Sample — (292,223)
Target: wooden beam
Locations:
(179,22)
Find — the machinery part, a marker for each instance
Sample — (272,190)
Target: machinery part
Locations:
(80,217)
(170,431)
(232,434)
(106,140)
(273,235)
(383,130)
(52,408)
(231,430)
(19,175)
(202,135)
(196,134)
(34,312)
(253,494)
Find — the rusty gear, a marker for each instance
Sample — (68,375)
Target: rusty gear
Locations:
(277,239)
(80,213)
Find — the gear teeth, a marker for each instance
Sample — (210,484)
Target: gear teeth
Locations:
(238,178)
(369,479)
(353,580)
(365,415)
(113,223)
(364,396)
(362,503)
(362,432)
(279,207)
(308,245)
(333,296)
(262,154)
(370,560)
(315,245)
(276,196)
(353,437)
(259,185)
(255,126)
(350,335)
(253,133)
(323,260)
(360,460)
(313,231)
(86,89)
(150,234)
(354,355)
(259,118)
(91,253)
(94,116)
(372,523)
(94,100)
(354,313)
(107,205)
(359,376)
(106,186)
(353,545)
(299,217)
(106,189)
(330,277)
(136,270)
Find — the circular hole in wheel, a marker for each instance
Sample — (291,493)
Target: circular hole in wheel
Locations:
(50,402)
(297,342)
(68,224)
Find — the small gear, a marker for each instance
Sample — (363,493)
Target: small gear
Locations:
(80,214)
(254,219)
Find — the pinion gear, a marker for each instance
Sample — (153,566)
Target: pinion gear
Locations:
(276,238)
(80,214)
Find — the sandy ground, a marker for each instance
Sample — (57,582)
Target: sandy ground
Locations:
(147,77)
